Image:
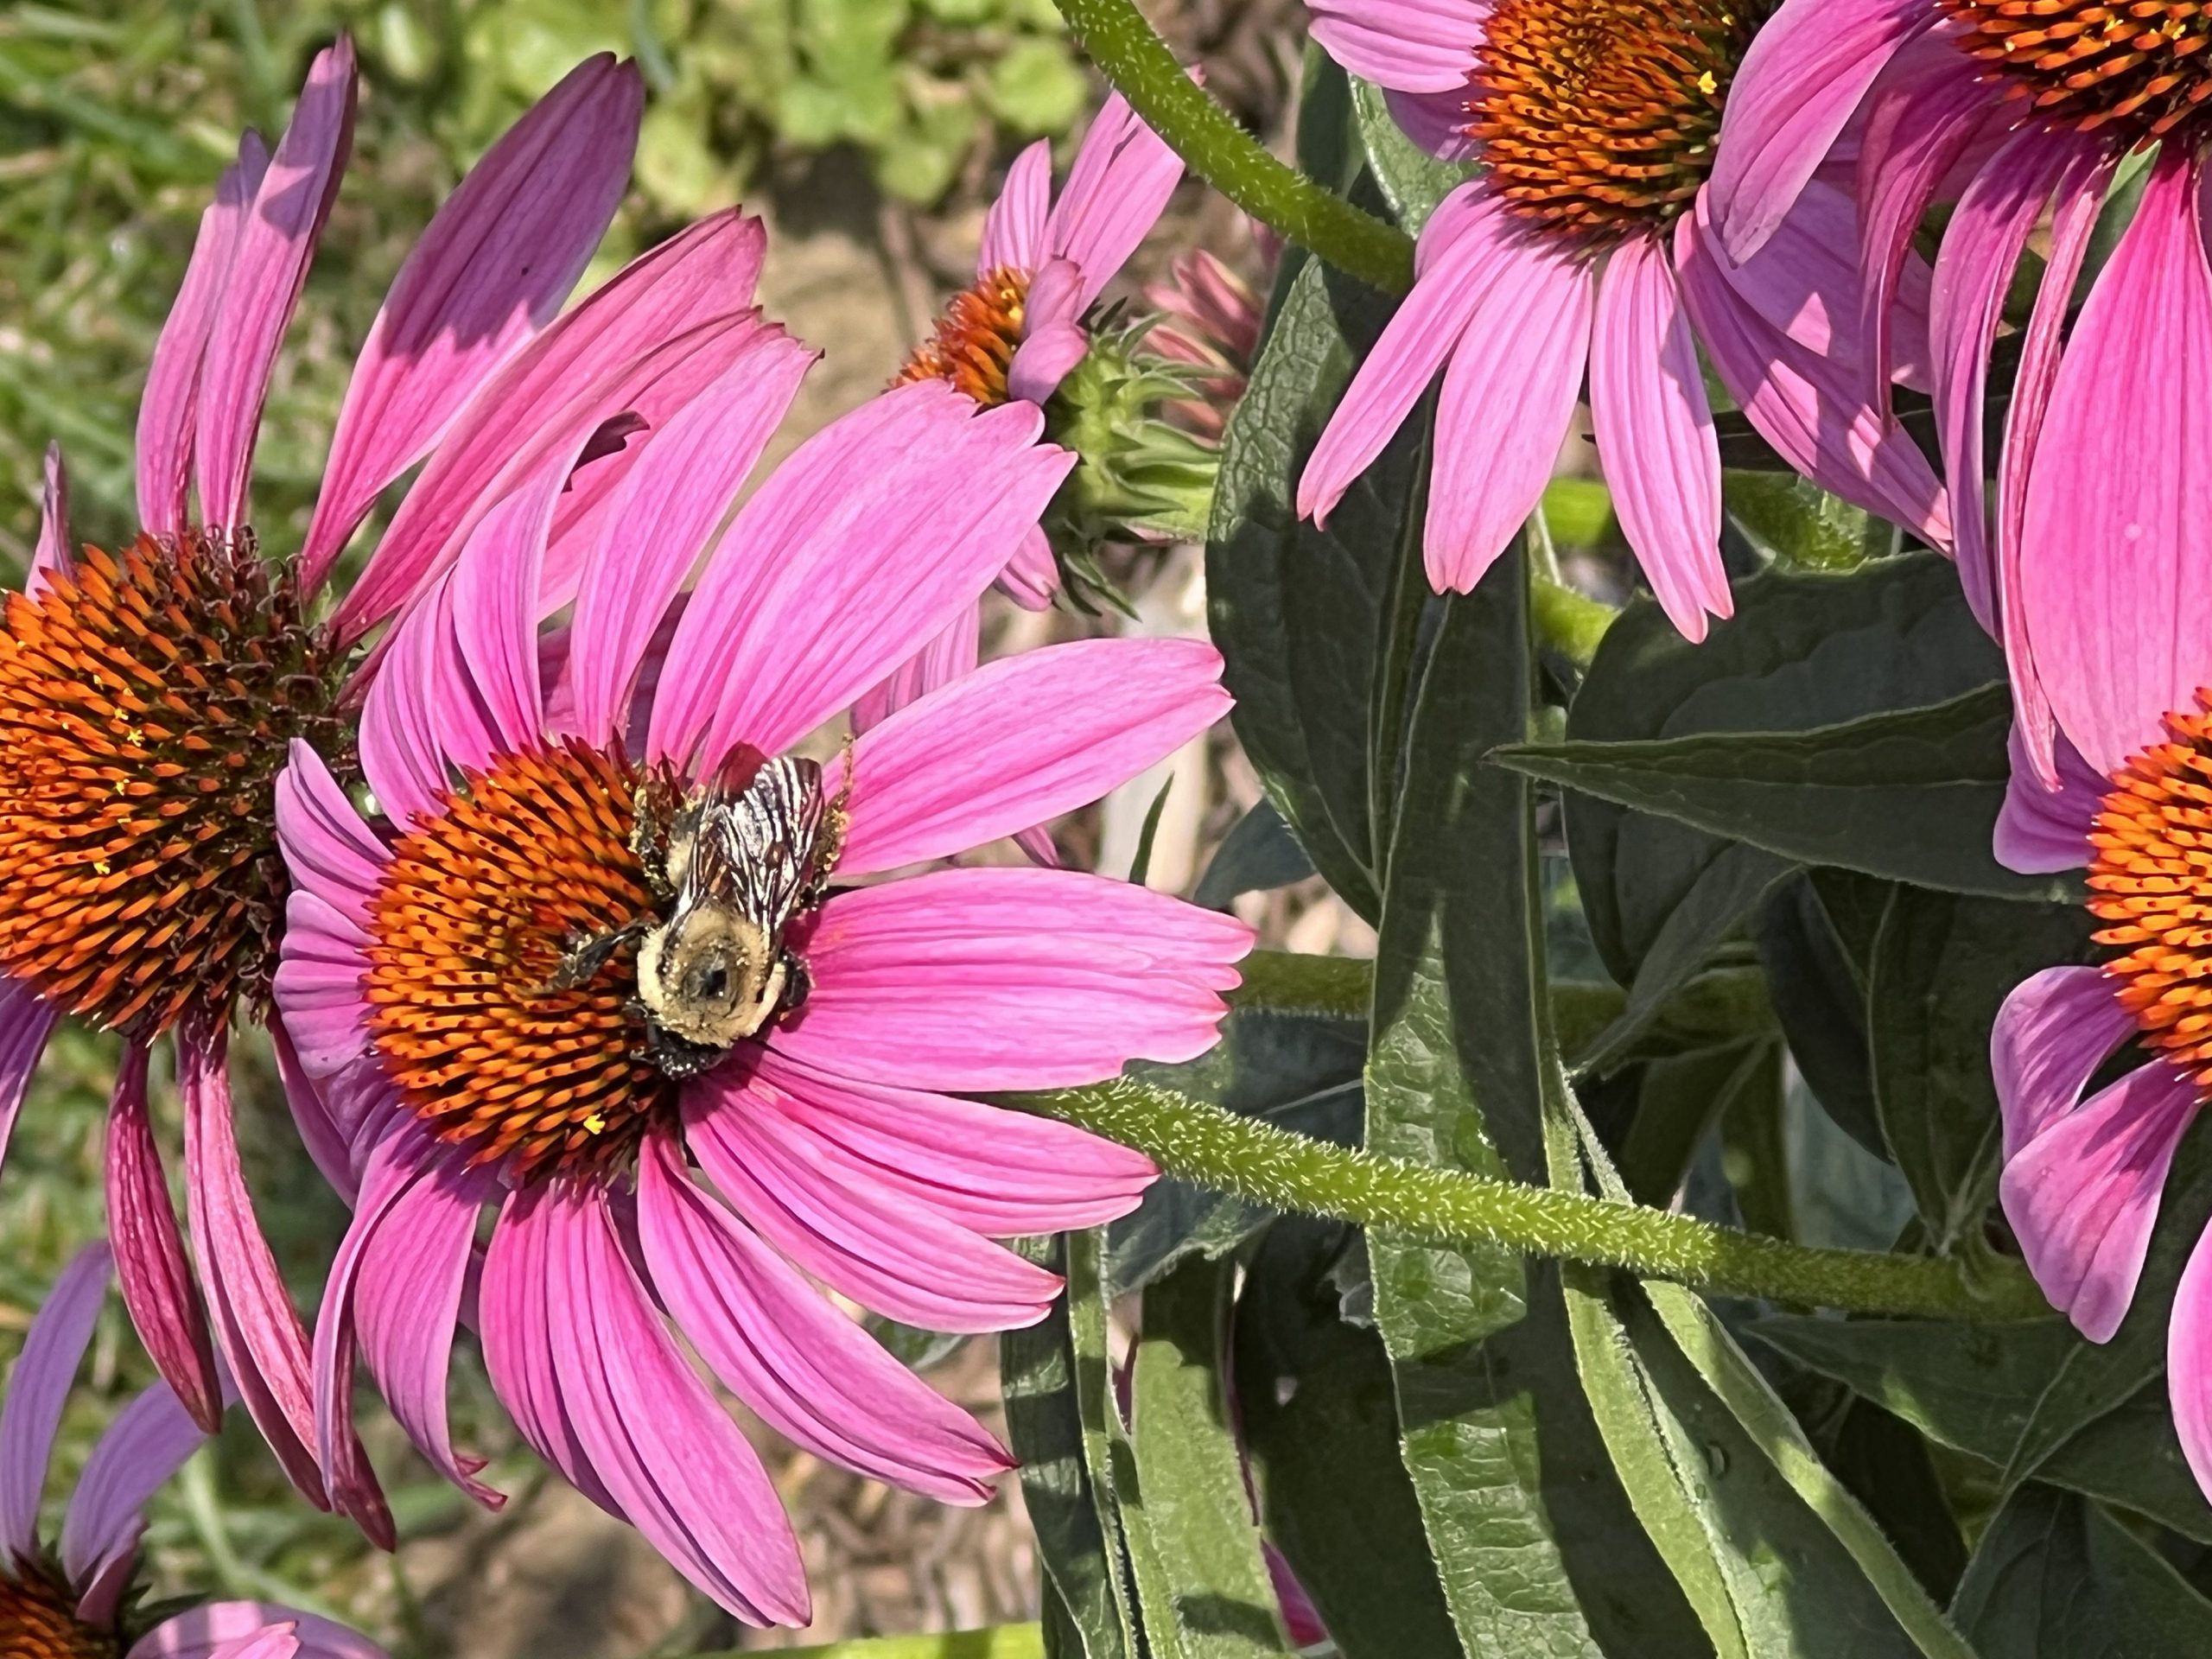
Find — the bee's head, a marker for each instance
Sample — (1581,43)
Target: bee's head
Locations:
(711,976)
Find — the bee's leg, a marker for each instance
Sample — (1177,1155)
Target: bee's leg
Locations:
(649,840)
(797,984)
(584,954)
(830,839)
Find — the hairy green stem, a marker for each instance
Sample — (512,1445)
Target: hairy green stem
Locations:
(1256,1160)
(1143,69)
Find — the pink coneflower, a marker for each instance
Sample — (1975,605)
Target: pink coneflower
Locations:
(1209,326)
(2018,112)
(1583,244)
(79,1601)
(524,994)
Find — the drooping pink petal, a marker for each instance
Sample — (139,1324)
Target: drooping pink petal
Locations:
(953,653)
(493,590)
(1798,86)
(492,269)
(1427,47)
(685,1476)
(690,282)
(2041,831)
(894,1257)
(262,1342)
(918,494)
(27,1019)
(52,553)
(2188,1361)
(1524,349)
(267,268)
(1032,577)
(37,1390)
(150,1261)
(1807,406)
(320,1133)
(331,851)
(169,409)
(2056,1028)
(1982,244)
(1116,189)
(1655,436)
(2082,1194)
(777,1344)
(146,1443)
(1023,740)
(2116,543)
(659,520)
(2077,207)
(1002,1173)
(1061,978)
(1465,239)
(402,755)
(194,1635)
(1013,230)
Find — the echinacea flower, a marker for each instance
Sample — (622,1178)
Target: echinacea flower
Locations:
(1209,325)
(80,1599)
(2020,114)
(2083,1177)
(1582,244)
(505,999)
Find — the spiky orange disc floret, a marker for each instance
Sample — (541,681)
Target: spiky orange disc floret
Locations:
(2146,64)
(974,343)
(476,914)
(147,700)
(1599,115)
(38,1618)
(2151,877)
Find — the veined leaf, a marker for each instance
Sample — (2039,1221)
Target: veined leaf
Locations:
(2057,1578)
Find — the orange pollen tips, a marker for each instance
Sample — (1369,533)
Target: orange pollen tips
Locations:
(976,338)
(147,700)
(2146,64)
(38,1619)
(2151,880)
(1599,116)
(496,1040)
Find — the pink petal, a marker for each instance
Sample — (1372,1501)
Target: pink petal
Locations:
(192,1635)
(2115,560)
(658,522)
(1425,47)
(25,1021)
(2075,212)
(146,1444)
(1463,242)
(1014,231)
(917,494)
(273,1641)
(685,1476)
(1021,740)
(318,986)
(52,553)
(267,268)
(37,1390)
(327,1143)
(2083,1196)
(1798,87)
(1047,356)
(1437,122)
(952,654)
(1656,436)
(999,1172)
(778,1345)
(492,269)
(700,278)
(1032,577)
(150,1261)
(331,852)
(1523,349)
(492,591)
(2041,831)
(168,410)
(402,749)
(2056,1028)
(1060,977)
(1117,188)
(2188,1361)
(894,1256)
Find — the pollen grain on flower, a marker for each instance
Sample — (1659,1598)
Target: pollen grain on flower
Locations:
(38,1618)
(1600,116)
(2145,64)
(476,915)
(2151,881)
(973,342)
(148,699)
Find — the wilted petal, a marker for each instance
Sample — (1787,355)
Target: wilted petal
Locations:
(37,1390)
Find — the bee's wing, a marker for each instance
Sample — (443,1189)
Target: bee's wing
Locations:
(756,853)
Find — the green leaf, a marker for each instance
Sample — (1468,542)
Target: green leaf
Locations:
(2056,1578)
(1220,1603)
(1411,179)
(1942,966)
(1910,795)
(1259,853)
(1818,986)
(1035,88)
(1295,610)
(1534,1541)
(1054,1378)
(1794,522)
